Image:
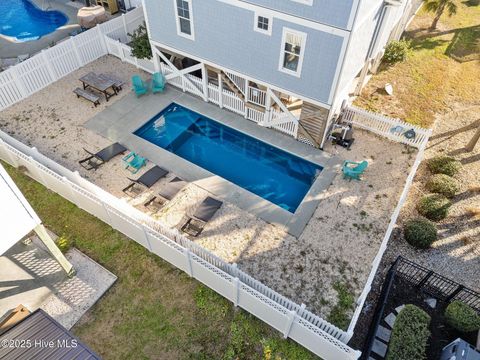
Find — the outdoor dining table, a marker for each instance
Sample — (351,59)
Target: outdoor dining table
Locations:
(92,80)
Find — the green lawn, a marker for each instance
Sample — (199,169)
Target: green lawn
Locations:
(153,311)
(442,69)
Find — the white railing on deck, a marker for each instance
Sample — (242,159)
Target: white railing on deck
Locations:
(393,129)
(287,126)
(257,96)
(255,115)
(293,320)
(46,67)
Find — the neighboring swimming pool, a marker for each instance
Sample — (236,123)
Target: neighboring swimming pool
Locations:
(23,21)
(275,175)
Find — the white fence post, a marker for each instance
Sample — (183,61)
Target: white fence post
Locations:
(220,91)
(101,38)
(76,51)
(189,262)
(19,82)
(107,213)
(48,64)
(236,290)
(147,240)
(124,21)
(205,82)
(291,318)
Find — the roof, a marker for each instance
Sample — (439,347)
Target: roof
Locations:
(39,336)
(17,217)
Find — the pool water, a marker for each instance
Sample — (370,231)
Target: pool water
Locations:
(22,20)
(275,175)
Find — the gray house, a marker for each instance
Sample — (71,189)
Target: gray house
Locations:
(297,58)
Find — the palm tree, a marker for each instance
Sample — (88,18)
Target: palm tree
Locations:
(471,145)
(438,7)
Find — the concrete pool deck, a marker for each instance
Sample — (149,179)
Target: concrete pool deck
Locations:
(119,121)
(337,246)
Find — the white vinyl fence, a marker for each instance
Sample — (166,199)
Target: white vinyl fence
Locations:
(46,67)
(425,135)
(393,129)
(293,320)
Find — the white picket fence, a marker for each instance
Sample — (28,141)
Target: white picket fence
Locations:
(293,320)
(46,67)
(393,129)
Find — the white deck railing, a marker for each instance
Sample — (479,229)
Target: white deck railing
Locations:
(293,320)
(257,96)
(393,129)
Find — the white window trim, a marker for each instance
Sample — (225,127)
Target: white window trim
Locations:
(177,20)
(306,2)
(301,56)
(270,23)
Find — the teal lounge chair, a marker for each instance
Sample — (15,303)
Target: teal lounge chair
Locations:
(134,162)
(353,172)
(158,82)
(139,85)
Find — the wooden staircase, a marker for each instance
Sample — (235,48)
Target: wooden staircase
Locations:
(232,86)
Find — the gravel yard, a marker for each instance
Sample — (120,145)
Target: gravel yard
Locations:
(337,246)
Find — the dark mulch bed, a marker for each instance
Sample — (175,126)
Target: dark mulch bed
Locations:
(441,333)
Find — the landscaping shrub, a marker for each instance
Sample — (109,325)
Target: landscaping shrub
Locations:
(140,44)
(434,206)
(409,335)
(443,184)
(444,165)
(462,317)
(420,233)
(64,244)
(396,51)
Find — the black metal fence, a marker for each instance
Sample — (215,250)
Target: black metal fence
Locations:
(429,281)
(435,284)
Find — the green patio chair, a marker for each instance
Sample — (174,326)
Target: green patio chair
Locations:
(139,85)
(134,162)
(158,82)
(353,172)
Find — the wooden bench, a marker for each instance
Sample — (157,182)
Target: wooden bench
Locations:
(88,95)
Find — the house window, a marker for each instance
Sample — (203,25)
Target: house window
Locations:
(263,24)
(183,9)
(292,52)
(306,2)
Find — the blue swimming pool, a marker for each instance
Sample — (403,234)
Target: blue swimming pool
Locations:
(275,175)
(23,21)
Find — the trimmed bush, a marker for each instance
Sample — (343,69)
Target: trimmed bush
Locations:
(420,233)
(396,51)
(409,335)
(462,317)
(434,206)
(443,184)
(444,165)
